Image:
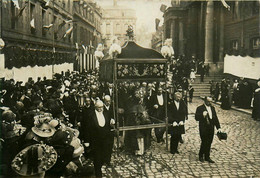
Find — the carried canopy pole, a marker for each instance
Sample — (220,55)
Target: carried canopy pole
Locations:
(135,64)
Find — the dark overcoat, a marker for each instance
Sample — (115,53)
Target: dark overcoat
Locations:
(175,115)
(206,124)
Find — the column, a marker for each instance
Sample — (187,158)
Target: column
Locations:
(181,40)
(172,29)
(209,32)
(221,36)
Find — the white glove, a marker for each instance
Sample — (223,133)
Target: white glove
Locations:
(155,106)
(205,113)
(219,130)
(86,144)
(112,122)
(181,123)
(174,124)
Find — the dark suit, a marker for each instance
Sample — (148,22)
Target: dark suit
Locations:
(107,92)
(176,115)
(206,129)
(85,123)
(159,114)
(100,139)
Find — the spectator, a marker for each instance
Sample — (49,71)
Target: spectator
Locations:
(256,103)
(192,75)
(191,90)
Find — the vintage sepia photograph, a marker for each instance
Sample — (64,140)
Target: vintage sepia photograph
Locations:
(130,88)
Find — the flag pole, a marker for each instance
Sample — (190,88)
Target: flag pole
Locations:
(53,30)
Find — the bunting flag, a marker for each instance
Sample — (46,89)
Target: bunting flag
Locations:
(48,3)
(63,23)
(71,36)
(21,11)
(48,26)
(225,4)
(85,49)
(157,21)
(68,32)
(32,23)
(16,4)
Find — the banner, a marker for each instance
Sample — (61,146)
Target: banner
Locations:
(247,67)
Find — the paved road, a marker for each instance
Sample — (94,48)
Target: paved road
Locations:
(239,156)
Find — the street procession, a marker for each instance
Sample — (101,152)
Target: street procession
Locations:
(129,88)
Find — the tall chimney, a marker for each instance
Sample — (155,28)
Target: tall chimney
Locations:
(115,2)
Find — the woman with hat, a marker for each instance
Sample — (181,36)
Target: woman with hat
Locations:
(41,131)
(12,135)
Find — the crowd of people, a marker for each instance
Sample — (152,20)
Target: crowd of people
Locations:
(240,93)
(75,113)
(51,112)
(74,106)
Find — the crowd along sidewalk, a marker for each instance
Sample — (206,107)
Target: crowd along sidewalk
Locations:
(247,111)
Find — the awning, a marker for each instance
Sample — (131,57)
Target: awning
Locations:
(247,67)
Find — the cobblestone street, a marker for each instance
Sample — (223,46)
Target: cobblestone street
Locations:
(238,156)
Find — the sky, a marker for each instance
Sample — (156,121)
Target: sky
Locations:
(146,10)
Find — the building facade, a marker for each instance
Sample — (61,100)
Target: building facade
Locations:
(37,40)
(157,38)
(210,31)
(87,17)
(115,23)
(48,36)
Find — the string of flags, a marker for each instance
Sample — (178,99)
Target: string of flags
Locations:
(16,4)
(225,4)
(48,26)
(32,23)
(68,32)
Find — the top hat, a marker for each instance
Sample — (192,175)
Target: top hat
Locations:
(222,135)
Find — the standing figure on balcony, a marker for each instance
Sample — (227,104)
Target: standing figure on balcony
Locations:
(98,55)
(130,32)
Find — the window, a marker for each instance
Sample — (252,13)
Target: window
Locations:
(63,4)
(108,29)
(234,44)
(55,29)
(13,17)
(255,8)
(256,43)
(32,18)
(44,23)
(117,28)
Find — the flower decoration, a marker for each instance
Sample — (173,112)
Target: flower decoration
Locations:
(99,52)
(114,49)
(167,49)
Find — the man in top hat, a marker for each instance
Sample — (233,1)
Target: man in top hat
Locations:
(157,108)
(101,135)
(177,114)
(208,120)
